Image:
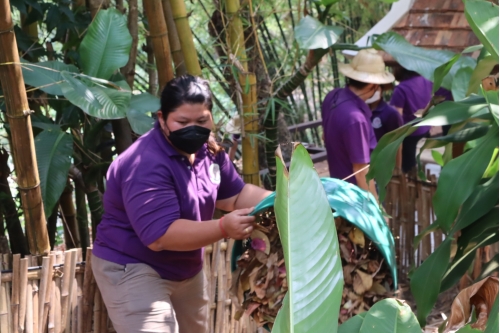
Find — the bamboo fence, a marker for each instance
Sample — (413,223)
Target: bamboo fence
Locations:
(58,293)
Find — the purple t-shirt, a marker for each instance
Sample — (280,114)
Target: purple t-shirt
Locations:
(349,136)
(385,119)
(151,185)
(412,95)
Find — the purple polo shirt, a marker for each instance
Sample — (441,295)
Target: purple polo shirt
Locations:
(148,187)
(349,136)
(412,95)
(385,119)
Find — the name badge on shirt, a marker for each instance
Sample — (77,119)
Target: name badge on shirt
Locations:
(214,173)
(376,123)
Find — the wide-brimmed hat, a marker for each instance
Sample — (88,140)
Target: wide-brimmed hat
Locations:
(367,66)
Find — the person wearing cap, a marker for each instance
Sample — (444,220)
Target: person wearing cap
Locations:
(346,118)
(385,118)
(412,94)
(159,203)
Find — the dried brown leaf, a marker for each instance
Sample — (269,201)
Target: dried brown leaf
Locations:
(362,282)
(378,289)
(347,273)
(357,237)
(481,295)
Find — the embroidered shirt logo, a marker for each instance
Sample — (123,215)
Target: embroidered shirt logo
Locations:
(214,173)
(376,123)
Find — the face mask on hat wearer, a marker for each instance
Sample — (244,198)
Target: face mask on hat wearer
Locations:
(189,139)
(374,98)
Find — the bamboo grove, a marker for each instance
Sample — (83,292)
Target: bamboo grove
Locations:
(123,52)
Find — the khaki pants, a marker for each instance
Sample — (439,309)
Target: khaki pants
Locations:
(138,300)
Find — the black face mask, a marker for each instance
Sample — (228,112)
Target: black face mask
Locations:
(189,139)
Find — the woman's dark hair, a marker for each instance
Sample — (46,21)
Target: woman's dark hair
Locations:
(356,84)
(188,89)
(402,74)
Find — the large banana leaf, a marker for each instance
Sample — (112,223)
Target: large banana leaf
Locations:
(421,60)
(106,46)
(54,149)
(356,206)
(46,75)
(310,246)
(95,100)
(136,114)
(483,19)
(312,34)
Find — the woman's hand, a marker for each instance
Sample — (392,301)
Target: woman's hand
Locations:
(237,224)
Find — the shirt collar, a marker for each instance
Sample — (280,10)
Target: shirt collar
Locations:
(357,100)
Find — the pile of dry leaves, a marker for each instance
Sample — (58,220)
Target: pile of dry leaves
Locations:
(259,282)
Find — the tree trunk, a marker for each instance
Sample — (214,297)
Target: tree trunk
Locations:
(173,38)
(120,7)
(97,5)
(70,224)
(270,123)
(18,243)
(52,226)
(82,218)
(133,16)
(159,38)
(23,147)
(152,73)
(185,37)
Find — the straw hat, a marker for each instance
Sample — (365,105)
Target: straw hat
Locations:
(367,66)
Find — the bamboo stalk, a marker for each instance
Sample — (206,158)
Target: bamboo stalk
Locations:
(45,292)
(173,39)
(221,289)
(23,282)
(88,293)
(23,147)
(97,311)
(29,307)
(16,262)
(78,322)
(67,288)
(133,19)
(251,129)
(236,36)
(159,38)
(36,275)
(4,313)
(36,297)
(185,37)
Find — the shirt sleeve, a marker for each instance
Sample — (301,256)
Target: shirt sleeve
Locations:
(151,207)
(231,183)
(398,98)
(358,142)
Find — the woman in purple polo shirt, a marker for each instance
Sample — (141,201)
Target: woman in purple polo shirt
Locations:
(160,198)
(413,93)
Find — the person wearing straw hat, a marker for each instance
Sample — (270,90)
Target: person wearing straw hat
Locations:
(348,133)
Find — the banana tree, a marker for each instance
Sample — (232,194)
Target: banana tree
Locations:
(467,193)
(97,90)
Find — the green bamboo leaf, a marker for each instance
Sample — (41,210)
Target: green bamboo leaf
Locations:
(54,149)
(483,19)
(459,178)
(448,113)
(311,250)
(492,324)
(390,315)
(106,46)
(492,169)
(383,158)
(312,34)
(423,281)
(482,70)
(460,83)
(46,75)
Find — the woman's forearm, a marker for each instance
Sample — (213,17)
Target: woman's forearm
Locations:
(186,235)
(250,196)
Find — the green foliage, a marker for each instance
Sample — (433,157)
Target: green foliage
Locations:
(483,19)
(136,114)
(312,34)
(46,75)
(483,69)
(106,46)
(53,153)
(311,250)
(388,315)
(492,324)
